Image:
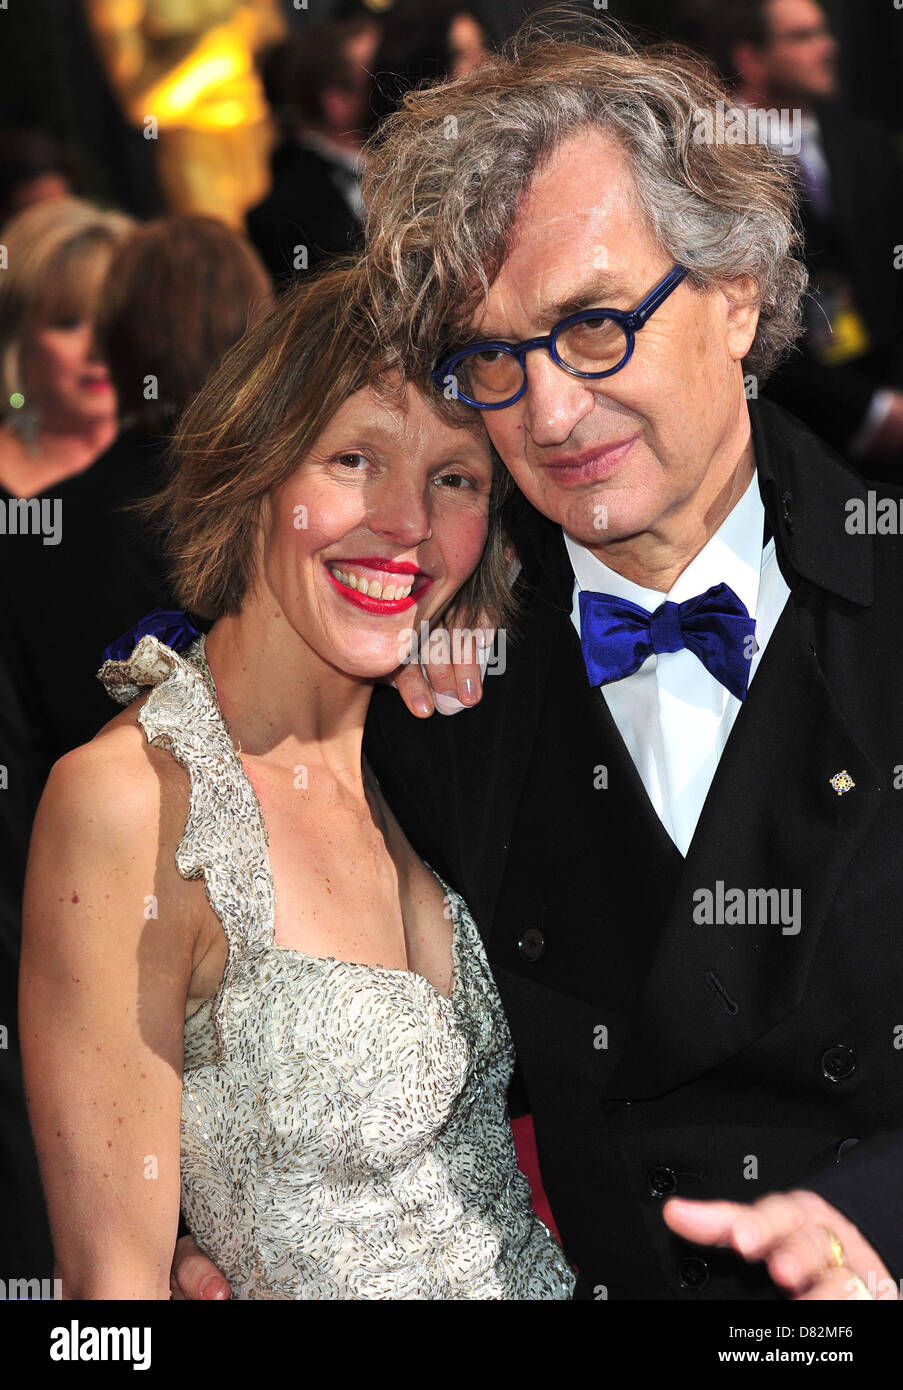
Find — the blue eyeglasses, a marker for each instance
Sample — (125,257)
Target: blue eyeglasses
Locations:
(593,343)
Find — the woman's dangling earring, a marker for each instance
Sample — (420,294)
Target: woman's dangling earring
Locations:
(24,422)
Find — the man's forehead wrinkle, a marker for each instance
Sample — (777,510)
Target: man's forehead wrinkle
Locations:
(560,253)
(548,302)
(501,303)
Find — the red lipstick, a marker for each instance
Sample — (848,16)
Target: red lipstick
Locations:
(368,602)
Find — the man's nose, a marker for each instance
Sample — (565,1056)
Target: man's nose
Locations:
(400,510)
(555,400)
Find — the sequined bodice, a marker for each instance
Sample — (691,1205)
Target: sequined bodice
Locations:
(344,1126)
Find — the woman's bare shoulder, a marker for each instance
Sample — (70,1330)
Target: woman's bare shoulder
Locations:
(119,770)
(108,827)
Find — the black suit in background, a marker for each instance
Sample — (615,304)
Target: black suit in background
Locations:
(731,1050)
(69,601)
(62,604)
(855,241)
(25,1248)
(306,206)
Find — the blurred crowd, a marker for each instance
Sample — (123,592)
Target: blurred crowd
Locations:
(109,326)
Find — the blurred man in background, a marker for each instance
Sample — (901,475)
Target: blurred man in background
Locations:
(318,87)
(847,382)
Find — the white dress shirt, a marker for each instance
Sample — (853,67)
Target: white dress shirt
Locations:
(672,714)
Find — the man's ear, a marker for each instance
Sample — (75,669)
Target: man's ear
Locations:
(747,66)
(742,304)
(340,108)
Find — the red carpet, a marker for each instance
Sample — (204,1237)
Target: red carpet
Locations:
(528,1162)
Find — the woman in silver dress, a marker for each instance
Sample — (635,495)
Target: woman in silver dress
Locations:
(242,991)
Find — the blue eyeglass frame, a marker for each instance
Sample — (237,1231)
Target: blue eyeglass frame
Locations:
(631,322)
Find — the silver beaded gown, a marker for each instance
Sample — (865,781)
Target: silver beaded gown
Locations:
(344,1131)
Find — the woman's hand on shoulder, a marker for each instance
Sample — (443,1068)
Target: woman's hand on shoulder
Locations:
(103,983)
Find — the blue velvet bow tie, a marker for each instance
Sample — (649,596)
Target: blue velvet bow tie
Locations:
(617,635)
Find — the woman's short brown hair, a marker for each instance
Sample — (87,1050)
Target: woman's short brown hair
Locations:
(258,415)
(179,292)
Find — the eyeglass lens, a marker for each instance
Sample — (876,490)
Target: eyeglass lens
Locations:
(594,345)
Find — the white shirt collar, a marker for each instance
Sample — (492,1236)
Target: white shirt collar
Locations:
(351,160)
(733,556)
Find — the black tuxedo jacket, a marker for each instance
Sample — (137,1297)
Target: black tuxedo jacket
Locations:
(660,1055)
(304,207)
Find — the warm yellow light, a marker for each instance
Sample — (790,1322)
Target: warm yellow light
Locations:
(207,72)
(214,88)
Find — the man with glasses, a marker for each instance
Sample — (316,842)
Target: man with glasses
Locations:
(590,343)
(673,813)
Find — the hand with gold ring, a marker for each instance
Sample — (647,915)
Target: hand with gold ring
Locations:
(811,1250)
(837,1256)
(856,1289)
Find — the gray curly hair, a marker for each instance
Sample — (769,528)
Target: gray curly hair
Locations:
(446,174)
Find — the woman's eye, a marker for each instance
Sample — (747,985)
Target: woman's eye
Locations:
(454,480)
(351,460)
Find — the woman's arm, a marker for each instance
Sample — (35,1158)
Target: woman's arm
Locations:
(103,983)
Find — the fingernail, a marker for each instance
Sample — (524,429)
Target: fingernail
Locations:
(746,1238)
(468,690)
(422,704)
(448,694)
(214,1286)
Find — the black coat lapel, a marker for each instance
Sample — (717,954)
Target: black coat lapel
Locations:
(549,580)
(607,860)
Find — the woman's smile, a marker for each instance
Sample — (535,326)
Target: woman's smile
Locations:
(378,585)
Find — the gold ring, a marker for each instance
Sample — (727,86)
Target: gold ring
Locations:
(837,1255)
(861,1289)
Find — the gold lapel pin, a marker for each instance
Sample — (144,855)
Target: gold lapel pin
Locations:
(842,782)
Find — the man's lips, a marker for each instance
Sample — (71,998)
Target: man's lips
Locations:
(378,585)
(592,465)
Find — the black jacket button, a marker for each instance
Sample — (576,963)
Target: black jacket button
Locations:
(785,508)
(844,1146)
(532,943)
(662,1181)
(693,1272)
(838,1063)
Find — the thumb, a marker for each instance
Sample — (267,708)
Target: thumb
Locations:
(194,1276)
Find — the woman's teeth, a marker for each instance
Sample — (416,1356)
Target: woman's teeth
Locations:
(372,588)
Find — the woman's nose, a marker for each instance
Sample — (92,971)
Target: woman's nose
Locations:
(400,512)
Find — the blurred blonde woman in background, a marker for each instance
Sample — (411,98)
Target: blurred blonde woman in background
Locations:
(57,402)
